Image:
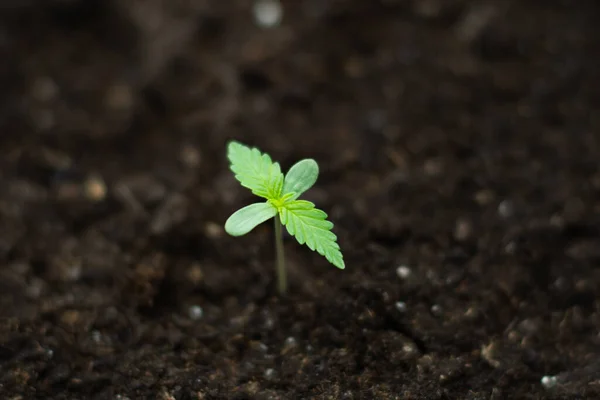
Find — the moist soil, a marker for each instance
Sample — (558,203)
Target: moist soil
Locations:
(458,143)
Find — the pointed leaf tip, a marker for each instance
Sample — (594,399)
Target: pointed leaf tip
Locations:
(309,226)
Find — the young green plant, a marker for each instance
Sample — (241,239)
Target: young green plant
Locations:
(257,172)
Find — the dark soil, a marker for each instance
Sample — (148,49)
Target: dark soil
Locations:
(459,145)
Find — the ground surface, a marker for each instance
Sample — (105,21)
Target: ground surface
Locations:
(458,140)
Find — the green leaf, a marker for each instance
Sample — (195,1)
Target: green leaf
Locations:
(309,225)
(301,177)
(255,170)
(245,219)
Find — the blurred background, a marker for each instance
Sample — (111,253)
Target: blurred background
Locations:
(458,139)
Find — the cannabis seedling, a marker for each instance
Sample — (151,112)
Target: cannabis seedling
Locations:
(257,172)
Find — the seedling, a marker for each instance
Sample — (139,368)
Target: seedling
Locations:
(257,172)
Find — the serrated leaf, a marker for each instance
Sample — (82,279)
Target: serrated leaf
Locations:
(301,177)
(247,218)
(309,226)
(255,170)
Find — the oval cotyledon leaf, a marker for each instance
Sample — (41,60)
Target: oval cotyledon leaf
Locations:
(301,177)
(245,219)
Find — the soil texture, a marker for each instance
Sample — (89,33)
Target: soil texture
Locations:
(459,148)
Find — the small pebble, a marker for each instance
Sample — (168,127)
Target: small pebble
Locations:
(70,317)
(263,347)
(400,306)
(548,381)
(462,230)
(403,272)
(348,395)
(35,288)
(190,156)
(560,283)
(407,348)
(267,13)
(268,323)
(195,274)
(96,336)
(95,188)
(528,326)
(436,310)
(72,273)
(484,197)
(269,373)
(213,230)
(195,312)
(119,97)
(506,209)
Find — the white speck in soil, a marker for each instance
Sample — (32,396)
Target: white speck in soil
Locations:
(96,336)
(35,288)
(348,395)
(407,348)
(401,306)
(528,326)
(385,296)
(462,230)
(263,347)
(190,156)
(548,381)
(73,272)
(290,342)
(436,310)
(506,209)
(560,283)
(195,312)
(269,373)
(403,272)
(95,188)
(269,323)
(213,230)
(471,312)
(267,13)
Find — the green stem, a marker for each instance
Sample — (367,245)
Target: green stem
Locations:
(281,273)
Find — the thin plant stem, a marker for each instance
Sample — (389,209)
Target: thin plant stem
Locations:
(281,272)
